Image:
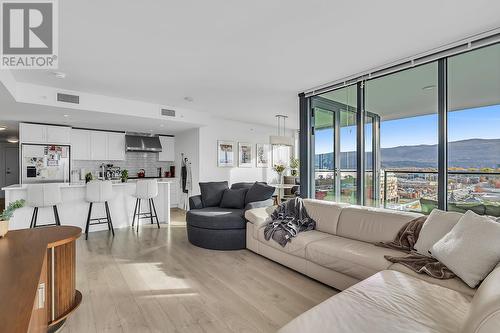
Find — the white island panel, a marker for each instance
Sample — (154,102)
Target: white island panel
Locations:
(74,208)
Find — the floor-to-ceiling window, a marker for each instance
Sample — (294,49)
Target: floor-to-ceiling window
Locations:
(474,131)
(334,119)
(406,103)
(412,116)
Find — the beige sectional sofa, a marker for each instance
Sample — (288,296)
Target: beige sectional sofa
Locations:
(378,296)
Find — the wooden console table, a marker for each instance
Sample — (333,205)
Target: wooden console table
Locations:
(38,278)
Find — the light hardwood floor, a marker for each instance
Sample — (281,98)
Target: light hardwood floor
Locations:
(156,281)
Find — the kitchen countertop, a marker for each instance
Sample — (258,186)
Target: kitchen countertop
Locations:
(149,177)
(82,184)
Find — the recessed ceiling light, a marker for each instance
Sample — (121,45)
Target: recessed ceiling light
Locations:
(66,115)
(2,128)
(431,87)
(13,140)
(59,75)
(188,98)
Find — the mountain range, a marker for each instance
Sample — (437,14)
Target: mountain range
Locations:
(471,153)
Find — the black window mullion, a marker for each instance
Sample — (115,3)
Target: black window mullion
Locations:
(360,145)
(443,134)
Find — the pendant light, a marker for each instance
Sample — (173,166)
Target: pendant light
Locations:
(281,139)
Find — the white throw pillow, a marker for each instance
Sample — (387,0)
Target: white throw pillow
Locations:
(438,224)
(471,249)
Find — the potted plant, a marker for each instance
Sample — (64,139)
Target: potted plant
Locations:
(6,215)
(294,166)
(279,169)
(88,177)
(124,175)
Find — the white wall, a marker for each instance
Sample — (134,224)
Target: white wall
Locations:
(188,142)
(221,129)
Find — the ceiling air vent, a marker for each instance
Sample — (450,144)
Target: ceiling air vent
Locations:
(168,113)
(68,98)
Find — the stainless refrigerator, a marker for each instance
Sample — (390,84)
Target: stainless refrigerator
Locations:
(45,163)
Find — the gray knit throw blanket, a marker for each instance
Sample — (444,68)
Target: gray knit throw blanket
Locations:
(287,220)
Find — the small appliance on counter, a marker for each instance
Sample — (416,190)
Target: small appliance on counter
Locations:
(75,176)
(109,172)
(141,173)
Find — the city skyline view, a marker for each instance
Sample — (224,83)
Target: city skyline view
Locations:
(473,123)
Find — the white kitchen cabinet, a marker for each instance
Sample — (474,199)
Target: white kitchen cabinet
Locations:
(167,153)
(44,134)
(98,145)
(32,133)
(80,144)
(58,134)
(116,146)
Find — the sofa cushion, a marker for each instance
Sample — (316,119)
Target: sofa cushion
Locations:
(234,198)
(388,301)
(453,284)
(350,257)
(325,213)
(437,224)
(246,185)
(212,192)
(216,218)
(471,249)
(484,313)
(297,246)
(259,192)
(372,224)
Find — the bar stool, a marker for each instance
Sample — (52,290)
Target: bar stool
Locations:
(147,190)
(43,195)
(99,192)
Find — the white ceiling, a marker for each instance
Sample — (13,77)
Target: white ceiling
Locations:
(473,81)
(244,60)
(12,112)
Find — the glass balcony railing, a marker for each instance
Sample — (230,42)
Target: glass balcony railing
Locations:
(417,191)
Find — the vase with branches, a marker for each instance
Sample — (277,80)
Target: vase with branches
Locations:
(279,169)
(294,166)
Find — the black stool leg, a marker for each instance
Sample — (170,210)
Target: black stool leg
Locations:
(150,211)
(135,212)
(33,218)
(88,222)
(156,215)
(110,223)
(56,215)
(36,217)
(138,214)
(107,214)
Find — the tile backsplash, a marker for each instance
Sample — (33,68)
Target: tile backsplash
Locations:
(134,161)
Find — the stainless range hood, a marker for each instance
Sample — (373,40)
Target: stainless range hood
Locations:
(142,143)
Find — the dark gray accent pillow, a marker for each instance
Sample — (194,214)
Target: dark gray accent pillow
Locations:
(246,185)
(259,192)
(234,198)
(236,186)
(212,192)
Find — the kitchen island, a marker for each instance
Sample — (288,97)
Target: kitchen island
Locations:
(73,209)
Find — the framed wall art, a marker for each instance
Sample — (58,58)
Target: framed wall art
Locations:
(225,153)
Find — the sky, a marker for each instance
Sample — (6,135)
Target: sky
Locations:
(476,123)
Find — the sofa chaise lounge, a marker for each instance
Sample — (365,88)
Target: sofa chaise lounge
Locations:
(378,296)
